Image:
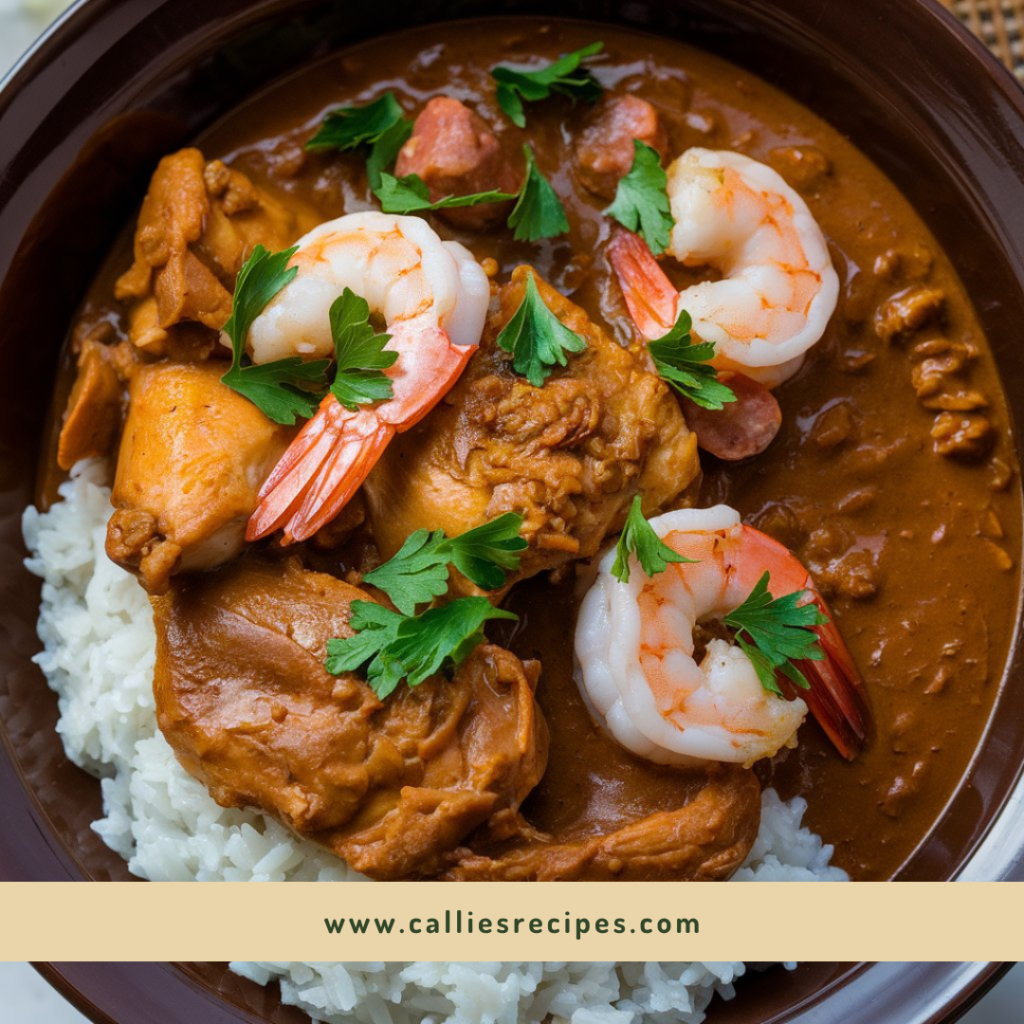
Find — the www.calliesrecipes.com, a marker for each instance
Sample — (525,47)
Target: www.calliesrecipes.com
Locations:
(458,922)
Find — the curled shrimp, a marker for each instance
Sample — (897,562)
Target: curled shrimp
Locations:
(635,648)
(778,288)
(433,296)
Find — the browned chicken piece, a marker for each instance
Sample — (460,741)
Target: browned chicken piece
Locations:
(243,698)
(193,456)
(568,456)
(93,414)
(455,153)
(199,222)
(604,151)
(706,840)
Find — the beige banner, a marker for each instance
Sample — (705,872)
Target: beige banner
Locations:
(511,921)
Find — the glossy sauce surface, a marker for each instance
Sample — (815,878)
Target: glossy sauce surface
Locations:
(916,551)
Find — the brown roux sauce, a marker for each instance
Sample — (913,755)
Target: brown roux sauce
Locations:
(916,552)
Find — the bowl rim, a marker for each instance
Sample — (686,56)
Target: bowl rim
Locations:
(1008,820)
(1003,854)
(941,992)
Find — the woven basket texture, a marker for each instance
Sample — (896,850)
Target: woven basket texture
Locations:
(999,24)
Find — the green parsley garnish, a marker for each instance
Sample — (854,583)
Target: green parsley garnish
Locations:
(350,127)
(638,537)
(687,368)
(419,571)
(536,338)
(538,212)
(394,647)
(773,633)
(641,202)
(564,76)
(380,125)
(385,150)
(359,353)
(285,388)
(411,195)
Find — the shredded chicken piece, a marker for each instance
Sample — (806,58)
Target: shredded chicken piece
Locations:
(199,222)
(193,457)
(388,786)
(568,456)
(705,840)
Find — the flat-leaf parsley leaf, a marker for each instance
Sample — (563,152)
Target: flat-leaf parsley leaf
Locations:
(419,571)
(410,194)
(360,354)
(774,633)
(687,367)
(285,388)
(638,538)
(394,647)
(350,127)
(641,202)
(538,212)
(536,338)
(563,76)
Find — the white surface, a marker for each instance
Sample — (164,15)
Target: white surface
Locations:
(30,1000)
(20,22)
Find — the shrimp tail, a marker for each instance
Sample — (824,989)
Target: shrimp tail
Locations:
(649,294)
(836,697)
(323,467)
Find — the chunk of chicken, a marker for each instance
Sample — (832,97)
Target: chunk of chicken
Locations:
(193,457)
(390,787)
(604,150)
(455,153)
(93,413)
(198,224)
(706,840)
(568,456)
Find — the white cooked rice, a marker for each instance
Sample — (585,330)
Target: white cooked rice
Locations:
(97,632)
(447,992)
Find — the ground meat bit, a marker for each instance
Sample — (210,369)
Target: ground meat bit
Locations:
(804,167)
(604,149)
(839,567)
(833,426)
(858,299)
(854,361)
(857,500)
(960,400)
(940,361)
(286,158)
(937,361)
(782,523)
(913,264)
(855,575)
(902,789)
(908,311)
(455,153)
(964,435)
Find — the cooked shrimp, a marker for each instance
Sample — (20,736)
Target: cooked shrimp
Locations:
(778,288)
(433,296)
(635,646)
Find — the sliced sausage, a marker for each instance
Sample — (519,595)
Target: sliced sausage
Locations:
(740,429)
(604,150)
(455,153)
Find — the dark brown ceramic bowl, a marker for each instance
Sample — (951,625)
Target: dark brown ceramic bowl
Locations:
(815,993)
(117,83)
